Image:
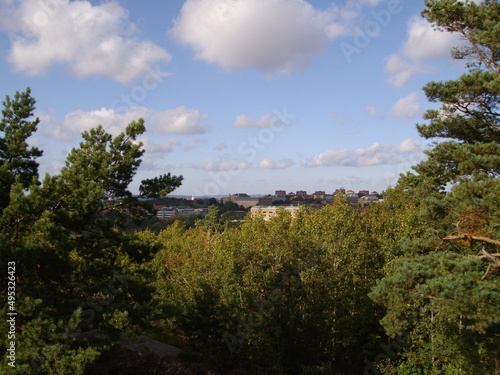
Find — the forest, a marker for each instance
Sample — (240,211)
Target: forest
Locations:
(407,286)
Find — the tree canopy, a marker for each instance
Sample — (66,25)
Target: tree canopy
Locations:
(17,158)
(445,291)
(70,259)
(410,285)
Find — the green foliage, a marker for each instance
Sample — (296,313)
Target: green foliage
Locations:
(78,279)
(477,23)
(288,293)
(445,289)
(48,345)
(312,293)
(159,186)
(17,159)
(105,161)
(212,222)
(451,312)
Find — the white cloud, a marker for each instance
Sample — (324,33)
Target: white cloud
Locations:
(222,165)
(336,29)
(76,122)
(272,164)
(376,154)
(87,39)
(409,145)
(426,43)
(181,120)
(274,36)
(158,148)
(269,120)
(401,69)
(407,108)
(372,2)
(349,19)
(153,163)
(423,43)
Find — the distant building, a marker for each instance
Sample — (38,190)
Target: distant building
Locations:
(164,213)
(368,199)
(319,195)
(301,193)
(353,200)
(364,192)
(280,193)
(268,212)
(240,195)
(247,201)
(234,197)
(186,211)
(265,201)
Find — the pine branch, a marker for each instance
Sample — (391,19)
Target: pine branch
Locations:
(468,237)
(478,51)
(490,256)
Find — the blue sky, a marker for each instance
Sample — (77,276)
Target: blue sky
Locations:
(238,95)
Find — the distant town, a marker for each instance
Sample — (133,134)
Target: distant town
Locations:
(269,204)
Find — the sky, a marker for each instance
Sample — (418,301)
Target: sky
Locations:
(238,96)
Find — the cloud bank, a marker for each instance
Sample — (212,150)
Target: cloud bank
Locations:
(269,120)
(407,108)
(273,164)
(181,120)
(274,36)
(423,43)
(86,39)
(376,154)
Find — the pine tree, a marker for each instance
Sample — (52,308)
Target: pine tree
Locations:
(445,290)
(17,158)
(459,180)
(72,263)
